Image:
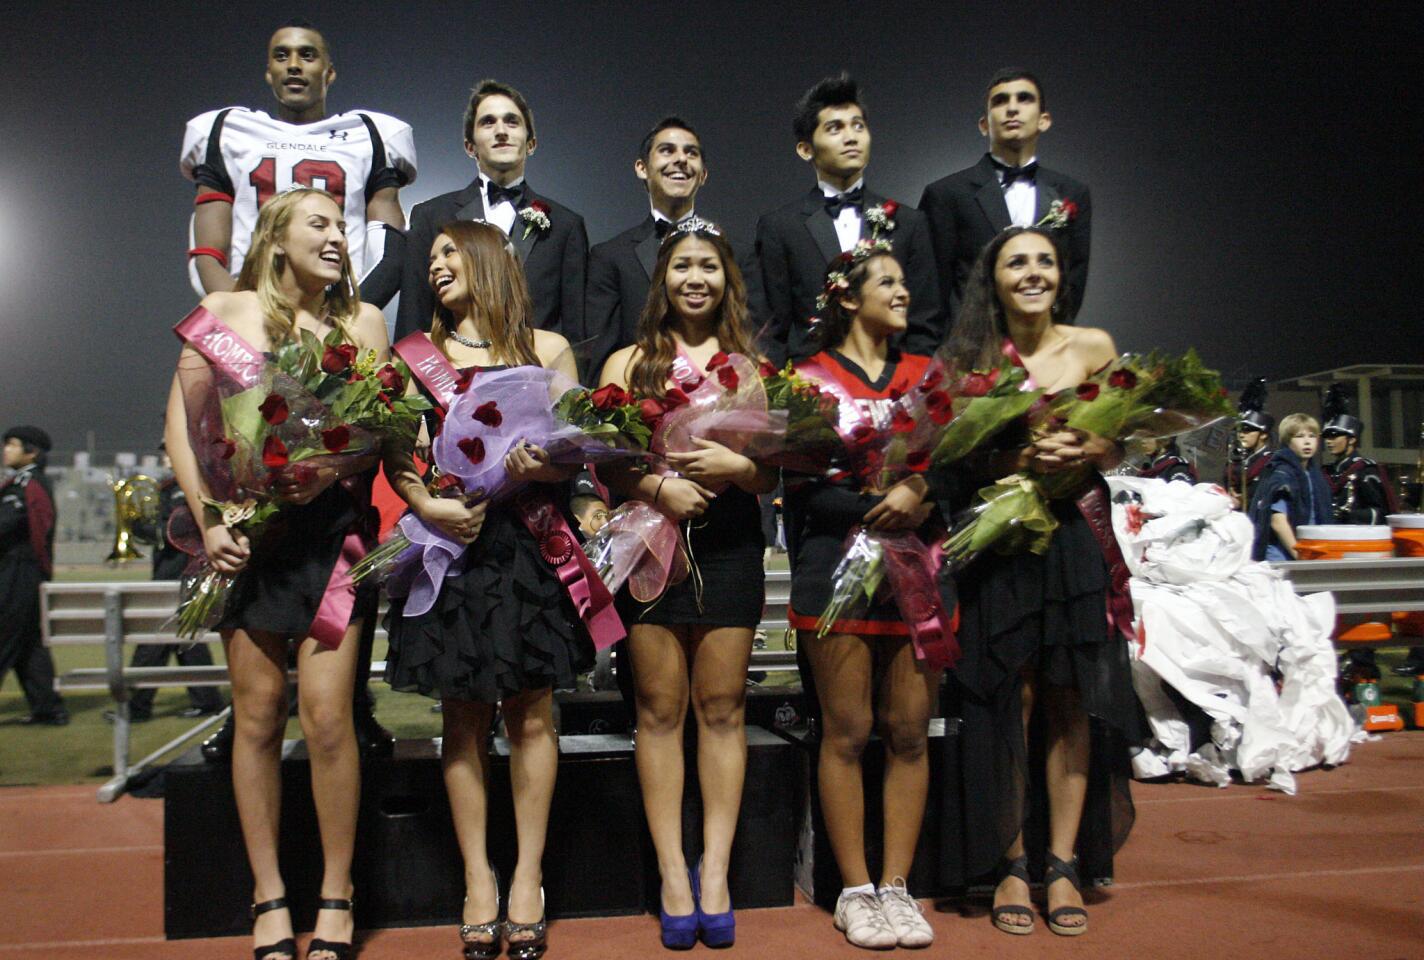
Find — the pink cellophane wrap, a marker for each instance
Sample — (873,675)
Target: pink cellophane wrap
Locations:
(641,547)
(738,418)
(911,568)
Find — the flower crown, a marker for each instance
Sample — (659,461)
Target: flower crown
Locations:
(881,220)
(838,279)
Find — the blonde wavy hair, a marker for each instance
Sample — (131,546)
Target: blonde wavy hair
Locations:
(262,272)
(499,294)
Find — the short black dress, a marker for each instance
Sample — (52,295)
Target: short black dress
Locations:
(1047,612)
(281,588)
(727,583)
(502,623)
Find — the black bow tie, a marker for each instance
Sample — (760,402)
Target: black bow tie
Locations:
(495,194)
(661,227)
(1008,174)
(851,198)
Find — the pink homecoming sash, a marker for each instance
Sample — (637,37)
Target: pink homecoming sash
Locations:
(550,530)
(933,634)
(219,345)
(206,333)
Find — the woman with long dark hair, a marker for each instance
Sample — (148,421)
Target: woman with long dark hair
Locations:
(1038,651)
(502,632)
(296,280)
(865,668)
(695,641)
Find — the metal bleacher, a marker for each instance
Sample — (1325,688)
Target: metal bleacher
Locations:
(116,615)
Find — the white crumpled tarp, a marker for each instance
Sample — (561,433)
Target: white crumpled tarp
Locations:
(1213,625)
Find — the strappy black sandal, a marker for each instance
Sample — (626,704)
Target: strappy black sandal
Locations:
(339,950)
(1017,867)
(1056,869)
(287,946)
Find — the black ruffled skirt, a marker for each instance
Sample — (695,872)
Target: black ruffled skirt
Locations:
(1047,613)
(502,625)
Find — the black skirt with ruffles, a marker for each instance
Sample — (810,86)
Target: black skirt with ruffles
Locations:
(501,625)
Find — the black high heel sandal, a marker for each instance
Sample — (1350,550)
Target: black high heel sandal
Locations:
(339,950)
(1017,867)
(532,947)
(1055,869)
(287,946)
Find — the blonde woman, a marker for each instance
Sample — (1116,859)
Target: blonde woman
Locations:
(297,278)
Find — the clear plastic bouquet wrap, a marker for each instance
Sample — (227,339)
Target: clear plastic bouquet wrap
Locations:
(316,405)
(1132,398)
(641,547)
(911,568)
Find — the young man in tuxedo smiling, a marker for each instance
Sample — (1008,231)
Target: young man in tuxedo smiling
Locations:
(1007,187)
(671,166)
(796,242)
(549,238)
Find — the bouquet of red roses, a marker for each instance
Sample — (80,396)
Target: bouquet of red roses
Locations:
(316,405)
(1132,398)
(493,412)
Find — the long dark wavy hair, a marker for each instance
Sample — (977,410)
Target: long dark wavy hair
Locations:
(503,309)
(979,330)
(834,325)
(656,346)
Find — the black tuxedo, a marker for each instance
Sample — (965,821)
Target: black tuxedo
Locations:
(795,243)
(554,260)
(620,272)
(966,210)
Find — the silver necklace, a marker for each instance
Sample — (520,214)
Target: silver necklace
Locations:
(472,344)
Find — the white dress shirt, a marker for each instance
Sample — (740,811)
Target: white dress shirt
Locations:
(1021,196)
(502,214)
(848,221)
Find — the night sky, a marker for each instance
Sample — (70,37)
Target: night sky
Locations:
(1255,168)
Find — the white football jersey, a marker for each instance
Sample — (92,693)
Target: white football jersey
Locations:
(254,157)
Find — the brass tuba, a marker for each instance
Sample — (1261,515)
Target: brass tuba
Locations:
(135,514)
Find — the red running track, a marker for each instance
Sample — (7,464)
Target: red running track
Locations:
(1335,872)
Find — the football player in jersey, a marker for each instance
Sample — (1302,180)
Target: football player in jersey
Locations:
(239,158)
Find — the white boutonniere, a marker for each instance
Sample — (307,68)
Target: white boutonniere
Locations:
(535,217)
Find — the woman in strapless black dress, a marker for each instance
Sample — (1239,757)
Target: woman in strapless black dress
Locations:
(296,279)
(1038,651)
(696,308)
(502,631)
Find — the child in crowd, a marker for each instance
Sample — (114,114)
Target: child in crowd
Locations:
(1293,491)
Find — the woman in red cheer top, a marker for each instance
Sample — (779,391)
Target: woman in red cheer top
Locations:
(502,631)
(296,280)
(1039,650)
(696,309)
(858,365)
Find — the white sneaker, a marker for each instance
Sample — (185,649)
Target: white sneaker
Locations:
(905,915)
(860,917)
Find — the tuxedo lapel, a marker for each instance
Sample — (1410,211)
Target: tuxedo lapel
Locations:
(991,200)
(820,226)
(646,249)
(1044,196)
(470,203)
(525,234)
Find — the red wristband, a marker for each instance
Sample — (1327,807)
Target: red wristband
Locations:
(212,196)
(213,252)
